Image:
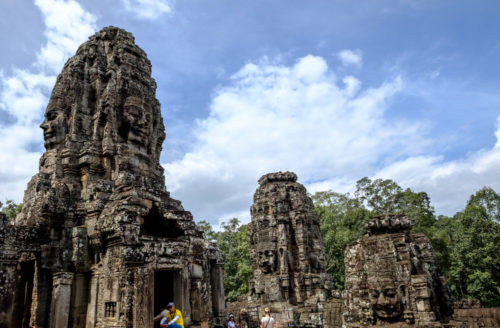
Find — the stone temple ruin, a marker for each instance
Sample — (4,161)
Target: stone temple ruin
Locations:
(392,276)
(287,253)
(99,241)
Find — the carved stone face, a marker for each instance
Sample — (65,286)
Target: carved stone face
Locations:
(385,300)
(136,118)
(267,261)
(54,126)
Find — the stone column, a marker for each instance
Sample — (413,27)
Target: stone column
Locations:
(79,301)
(92,306)
(61,299)
(220,305)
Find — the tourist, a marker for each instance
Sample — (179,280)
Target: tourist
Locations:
(267,321)
(161,315)
(173,316)
(231,323)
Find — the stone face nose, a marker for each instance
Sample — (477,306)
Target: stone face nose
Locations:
(381,299)
(44,126)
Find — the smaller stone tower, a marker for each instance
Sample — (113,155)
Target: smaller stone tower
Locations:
(392,277)
(287,252)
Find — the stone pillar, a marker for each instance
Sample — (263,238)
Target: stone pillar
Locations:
(8,275)
(218,290)
(79,301)
(92,306)
(61,299)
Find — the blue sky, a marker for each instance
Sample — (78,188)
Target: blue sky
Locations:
(333,90)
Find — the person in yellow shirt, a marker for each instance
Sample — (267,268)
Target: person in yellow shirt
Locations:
(173,319)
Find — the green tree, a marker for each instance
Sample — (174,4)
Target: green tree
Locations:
(343,217)
(386,196)
(342,221)
(488,199)
(208,232)
(232,239)
(475,250)
(11,209)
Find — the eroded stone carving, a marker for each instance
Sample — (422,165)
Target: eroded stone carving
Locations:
(98,227)
(392,276)
(287,252)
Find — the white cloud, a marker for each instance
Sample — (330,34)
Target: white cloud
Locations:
(351,57)
(275,117)
(300,118)
(67,26)
(497,133)
(147,9)
(24,93)
(448,183)
(352,85)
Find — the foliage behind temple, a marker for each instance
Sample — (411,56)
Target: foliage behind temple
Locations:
(232,240)
(466,245)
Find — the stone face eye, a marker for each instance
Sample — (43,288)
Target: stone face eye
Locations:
(52,115)
(390,293)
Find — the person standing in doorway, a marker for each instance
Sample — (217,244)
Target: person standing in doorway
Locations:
(267,321)
(173,319)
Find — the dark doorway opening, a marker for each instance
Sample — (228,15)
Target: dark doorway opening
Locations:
(156,225)
(23,295)
(167,288)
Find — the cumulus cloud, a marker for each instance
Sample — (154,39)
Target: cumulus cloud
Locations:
(67,25)
(276,117)
(24,93)
(331,131)
(351,57)
(448,183)
(147,9)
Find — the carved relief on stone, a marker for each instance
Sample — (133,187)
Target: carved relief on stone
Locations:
(286,249)
(392,276)
(98,206)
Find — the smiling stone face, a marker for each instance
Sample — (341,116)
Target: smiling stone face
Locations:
(136,121)
(385,299)
(267,261)
(54,126)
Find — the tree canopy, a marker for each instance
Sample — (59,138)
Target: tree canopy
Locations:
(466,245)
(11,209)
(232,239)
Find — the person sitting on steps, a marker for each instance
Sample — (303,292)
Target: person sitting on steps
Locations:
(173,319)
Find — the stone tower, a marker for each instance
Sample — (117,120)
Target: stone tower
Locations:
(392,277)
(101,242)
(287,253)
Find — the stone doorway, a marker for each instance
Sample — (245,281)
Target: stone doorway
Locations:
(21,315)
(167,288)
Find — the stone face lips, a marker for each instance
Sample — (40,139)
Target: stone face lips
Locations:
(287,251)
(103,243)
(392,276)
